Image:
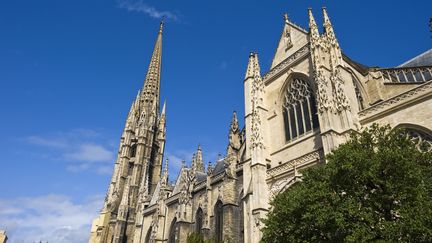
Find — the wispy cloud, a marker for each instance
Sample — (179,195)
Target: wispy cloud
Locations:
(91,153)
(141,7)
(52,218)
(80,149)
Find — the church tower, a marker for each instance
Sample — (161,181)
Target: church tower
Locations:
(138,167)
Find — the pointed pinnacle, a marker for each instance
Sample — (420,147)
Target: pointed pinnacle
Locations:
(166,166)
(253,68)
(327,24)
(161,26)
(312,25)
(151,89)
(163,108)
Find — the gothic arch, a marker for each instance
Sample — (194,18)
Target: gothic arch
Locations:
(148,235)
(298,106)
(285,184)
(241,214)
(218,219)
(291,183)
(360,91)
(199,219)
(291,75)
(172,237)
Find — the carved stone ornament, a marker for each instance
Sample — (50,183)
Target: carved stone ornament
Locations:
(322,99)
(257,94)
(340,100)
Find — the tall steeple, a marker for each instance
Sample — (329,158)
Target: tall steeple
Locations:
(151,90)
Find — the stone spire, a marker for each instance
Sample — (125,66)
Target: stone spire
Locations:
(333,44)
(234,135)
(163,109)
(162,120)
(328,28)
(234,123)
(253,68)
(150,93)
(197,161)
(313,28)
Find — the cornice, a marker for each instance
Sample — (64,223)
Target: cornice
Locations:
(407,98)
(281,169)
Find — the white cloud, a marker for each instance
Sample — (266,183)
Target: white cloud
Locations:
(46,142)
(52,218)
(141,7)
(91,153)
(79,149)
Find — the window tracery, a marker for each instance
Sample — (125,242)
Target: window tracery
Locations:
(199,220)
(218,211)
(422,140)
(299,109)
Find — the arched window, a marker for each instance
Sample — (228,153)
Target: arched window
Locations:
(148,236)
(133,150)
(422,140)
(173,232)
(218,215)
(199,220)
(241,224)
(359,96)
(299,109)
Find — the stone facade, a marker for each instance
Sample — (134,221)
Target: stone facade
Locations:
(300,110)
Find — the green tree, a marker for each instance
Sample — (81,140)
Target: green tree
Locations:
(376,187)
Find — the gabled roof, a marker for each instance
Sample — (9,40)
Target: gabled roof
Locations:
(201,176)
(155,195)
(180,180)
(296,35)
(219,167)
(424,59)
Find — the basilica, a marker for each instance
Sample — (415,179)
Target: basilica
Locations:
(301,109)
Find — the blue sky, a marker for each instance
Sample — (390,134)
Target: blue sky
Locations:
(69,71)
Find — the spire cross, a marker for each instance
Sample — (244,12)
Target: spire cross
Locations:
(286,17)
(161,24)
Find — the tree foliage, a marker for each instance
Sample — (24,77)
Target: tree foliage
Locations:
(376,187)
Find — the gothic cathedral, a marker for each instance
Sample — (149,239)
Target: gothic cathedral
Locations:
(306,105)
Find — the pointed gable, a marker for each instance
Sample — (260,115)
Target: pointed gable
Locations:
(181,180)
(292,38)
